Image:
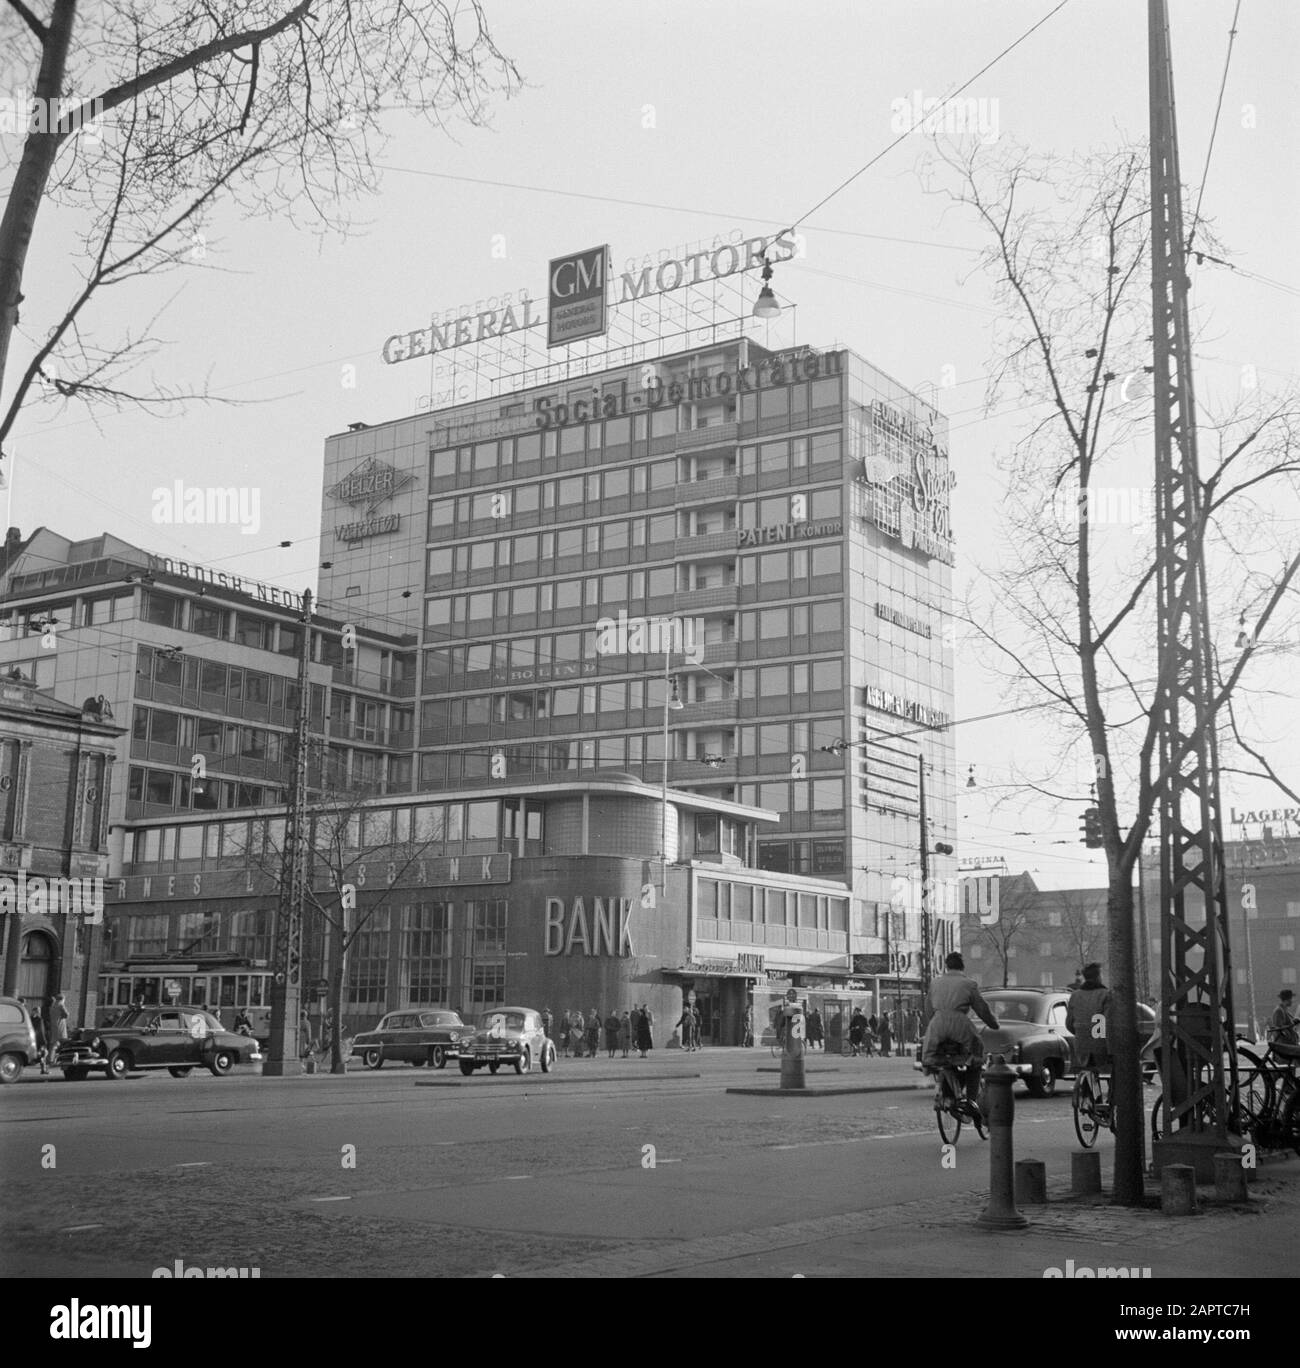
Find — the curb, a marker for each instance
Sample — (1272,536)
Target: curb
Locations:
(537,1076)
(825,1092)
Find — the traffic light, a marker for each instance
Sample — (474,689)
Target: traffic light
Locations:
(1090,825)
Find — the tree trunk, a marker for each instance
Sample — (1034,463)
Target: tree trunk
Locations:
(1126,1068)
(33,173)
(338,1065)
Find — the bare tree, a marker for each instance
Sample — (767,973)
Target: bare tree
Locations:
(142,117)
(1072,616)
(1017,898)
(1084,935)
(357,866)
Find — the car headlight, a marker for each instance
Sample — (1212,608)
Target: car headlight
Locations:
(96,1042)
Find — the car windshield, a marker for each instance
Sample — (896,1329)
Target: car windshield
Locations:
(511,1021)
(1008,1007)
(440,1019)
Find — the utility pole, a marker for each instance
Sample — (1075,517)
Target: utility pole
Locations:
(1196,1016)
(283,1057)
(927,967)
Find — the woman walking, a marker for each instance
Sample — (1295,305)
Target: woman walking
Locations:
(611,1033)
(644,1040)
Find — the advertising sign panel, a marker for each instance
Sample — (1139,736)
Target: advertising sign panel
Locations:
(576,296)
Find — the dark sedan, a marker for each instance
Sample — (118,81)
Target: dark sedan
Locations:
(1032,1038)
(415,1037)
(172,1038)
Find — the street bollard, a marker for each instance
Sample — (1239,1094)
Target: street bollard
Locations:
(1178,1190)
(1001,1213)
(1229,1178)
(1085,1173)
(1031,1182)
(792,1043)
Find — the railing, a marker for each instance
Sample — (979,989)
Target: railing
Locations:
(708,541)
(350,677)
(706,491)
(720,434)
(723,597)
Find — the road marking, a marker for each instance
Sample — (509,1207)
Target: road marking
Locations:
(517,1177)
(329,1199)
(196,1163)
(68,1230)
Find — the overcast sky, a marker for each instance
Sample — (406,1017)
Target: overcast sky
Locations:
(653,125)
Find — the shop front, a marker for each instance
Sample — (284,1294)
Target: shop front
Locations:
(724,992)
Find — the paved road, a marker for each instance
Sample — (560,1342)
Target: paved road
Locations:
(628,1167)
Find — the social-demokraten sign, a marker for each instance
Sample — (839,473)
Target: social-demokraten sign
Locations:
(674,273)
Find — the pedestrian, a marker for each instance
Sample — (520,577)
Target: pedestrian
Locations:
(42,1045)
(886,1036)
(1282,1024)
(547,1020)
(857,1031)
(699,1026)
(56,1031)
(243,1023)
(577,1032)
(686,1025)
(593,1032)
(815,1034)
(634,1025)
(565,1026)
(611,1033)
(747,1026)
(624,1033)
(644,1038)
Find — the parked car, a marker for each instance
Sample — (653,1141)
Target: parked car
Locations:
(508,1035)
(418,1037)
(171,1038)
(17,1039)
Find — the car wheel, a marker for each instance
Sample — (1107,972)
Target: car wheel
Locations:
(11,1068)
(419,1063)
(373,1058)
(222,1063)
(183,1072)
(466,1067)
(524,1063)
(76,1073)
(494,1066)
(1042,1082)
(119,1064)
(438,1057)
(548,1058)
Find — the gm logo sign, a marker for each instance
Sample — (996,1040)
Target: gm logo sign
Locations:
(576,296)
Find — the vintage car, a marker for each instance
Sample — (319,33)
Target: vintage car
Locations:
(1032,1038)
(418,1036)
(171,1038)
(508,1035)
(17,1039)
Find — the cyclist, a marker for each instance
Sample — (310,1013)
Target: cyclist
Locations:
(953,997)
(1086,1019)
(1282,1024)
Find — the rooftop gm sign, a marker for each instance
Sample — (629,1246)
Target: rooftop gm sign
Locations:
(576,296)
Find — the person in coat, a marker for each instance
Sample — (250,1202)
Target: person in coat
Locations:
(547,1022)
(816,1036)
(611,1033)
(565,1026)
(886,1035)
(686,1025)
(577,1033)
(625,1033)
(857,1030)
(644,1039)
(56,1026)
(593,1032)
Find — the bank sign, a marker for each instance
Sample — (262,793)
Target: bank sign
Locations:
(576,296)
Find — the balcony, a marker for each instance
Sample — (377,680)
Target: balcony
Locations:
(697,772)
(723,597)
(711,541)
(720,434)
(352,678)
(716,710)
(708,491)
(722,653)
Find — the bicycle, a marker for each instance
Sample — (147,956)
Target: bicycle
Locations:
(1275,1095)
(951,1105)
(1250,1103)
(1093,1106)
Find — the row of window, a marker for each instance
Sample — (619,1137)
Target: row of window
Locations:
(183,614)
(605,543)
(444,828)
(245,933)
(167,789)
(787,574)
(207,735)
(222,688)
(724,900)
(616,438)
(424,964)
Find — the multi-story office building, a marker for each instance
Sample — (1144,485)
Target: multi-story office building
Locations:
(200,669)
(761,538)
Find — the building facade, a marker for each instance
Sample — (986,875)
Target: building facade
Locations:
(546,893)
(57,773)
(762,538)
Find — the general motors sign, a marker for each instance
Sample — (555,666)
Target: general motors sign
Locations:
(576,297)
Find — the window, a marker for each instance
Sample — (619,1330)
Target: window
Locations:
(1293,909)
(425,948)
(1053,919)
(487,918)
(207,621)
(162,609)
(976,952)
(368,961)
(252,631)
(1286,942)
(1045,949)
(250,934)
(147,935)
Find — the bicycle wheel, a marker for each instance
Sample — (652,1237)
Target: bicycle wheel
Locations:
(1085,1113)
(1158,1118)
(1291,1122)
(947,1112)
(1252,1105)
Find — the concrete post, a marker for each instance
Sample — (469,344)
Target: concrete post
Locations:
(793,1040)
(1031,1182)
(1178,1190)
(1001,1213)
(1229,1178)
(1085,1173)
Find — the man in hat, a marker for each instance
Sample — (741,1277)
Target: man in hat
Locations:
(1282,1024)
(1087,1018)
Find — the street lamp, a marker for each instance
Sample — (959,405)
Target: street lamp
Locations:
(766,307)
